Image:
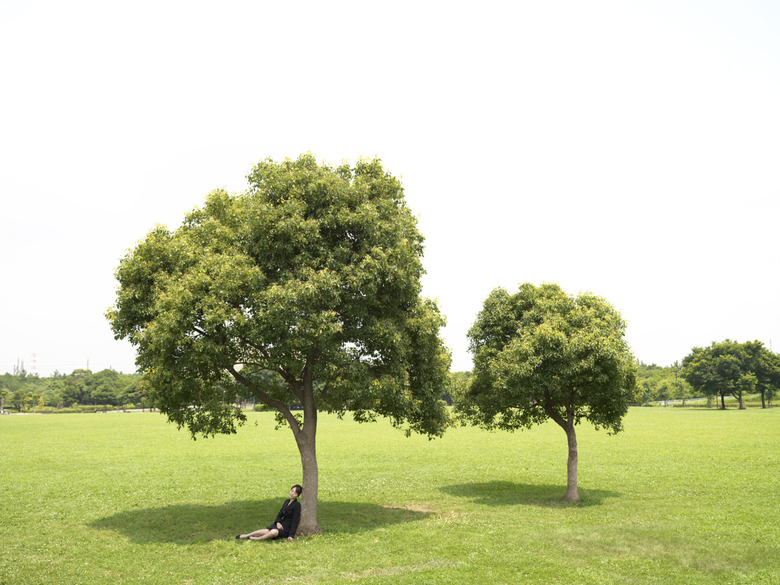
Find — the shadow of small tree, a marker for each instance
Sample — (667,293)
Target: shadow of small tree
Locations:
(507,493)
(197,523)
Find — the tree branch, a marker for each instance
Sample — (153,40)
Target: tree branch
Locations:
(277,404)
(551,411)
(291,380)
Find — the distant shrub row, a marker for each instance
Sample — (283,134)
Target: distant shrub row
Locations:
(80,408)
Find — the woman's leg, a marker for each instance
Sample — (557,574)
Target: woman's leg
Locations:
(260,532)
(266,534)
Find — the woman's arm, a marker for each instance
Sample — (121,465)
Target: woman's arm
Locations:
(295,519)
(280,515)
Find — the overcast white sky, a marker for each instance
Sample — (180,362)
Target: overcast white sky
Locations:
(627,148)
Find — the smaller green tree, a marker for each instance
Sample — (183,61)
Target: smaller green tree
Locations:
(543,354)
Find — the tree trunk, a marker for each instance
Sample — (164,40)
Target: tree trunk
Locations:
(308,449)
(723,401)
(307,446)
(572,495)
(305,437)
(763,403)
(567,424)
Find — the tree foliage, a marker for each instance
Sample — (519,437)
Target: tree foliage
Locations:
(542,354)
(303,289)
(27,392)
(661,384)
(733,368)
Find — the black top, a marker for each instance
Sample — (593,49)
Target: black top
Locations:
(289,516)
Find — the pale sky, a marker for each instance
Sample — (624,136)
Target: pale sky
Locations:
(626,148)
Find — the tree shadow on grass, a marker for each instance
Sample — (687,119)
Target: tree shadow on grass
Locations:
(507,493)
(198,523)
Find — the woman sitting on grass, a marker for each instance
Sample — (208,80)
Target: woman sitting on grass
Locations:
(286,522)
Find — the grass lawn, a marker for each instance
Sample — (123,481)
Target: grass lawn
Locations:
(681,496)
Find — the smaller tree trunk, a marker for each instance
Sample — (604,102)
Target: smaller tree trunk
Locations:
(572,495)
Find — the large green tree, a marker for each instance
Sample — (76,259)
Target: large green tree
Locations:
(543,354)
(304,289)
(732,368)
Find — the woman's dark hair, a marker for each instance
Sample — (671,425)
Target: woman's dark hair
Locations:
(298,488)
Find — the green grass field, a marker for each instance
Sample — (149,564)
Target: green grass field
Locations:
(681,496)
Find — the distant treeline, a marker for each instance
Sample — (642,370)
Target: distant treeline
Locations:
(662,384)
(655,384)
(84,389)
(669,384)
(23,392)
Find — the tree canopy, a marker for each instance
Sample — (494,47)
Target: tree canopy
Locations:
(543,354)
(303,289)
(732,368)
